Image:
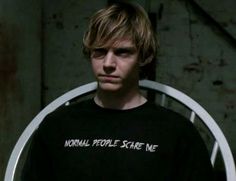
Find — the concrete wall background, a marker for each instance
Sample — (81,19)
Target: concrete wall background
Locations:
(198,57)
(40,57)
(20,55)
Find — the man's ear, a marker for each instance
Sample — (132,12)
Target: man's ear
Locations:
(146,61)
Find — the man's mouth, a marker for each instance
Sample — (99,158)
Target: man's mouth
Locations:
(108,78)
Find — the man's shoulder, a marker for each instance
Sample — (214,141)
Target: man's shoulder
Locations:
(77,106)
(169,117)
(66,113)
(164,112)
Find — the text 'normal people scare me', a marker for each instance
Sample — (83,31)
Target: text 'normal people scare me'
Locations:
(109,143)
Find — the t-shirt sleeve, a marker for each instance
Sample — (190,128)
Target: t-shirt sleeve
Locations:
(193,161)
(38,165)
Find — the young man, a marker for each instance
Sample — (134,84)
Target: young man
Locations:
(117,135)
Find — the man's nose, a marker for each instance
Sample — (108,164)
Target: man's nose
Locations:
(109,60)
(109,64)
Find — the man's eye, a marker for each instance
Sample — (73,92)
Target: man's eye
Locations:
(98,53)
(123,52)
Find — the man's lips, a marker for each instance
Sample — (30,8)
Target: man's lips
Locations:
(108,78)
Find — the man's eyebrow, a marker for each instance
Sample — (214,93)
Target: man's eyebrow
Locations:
(129,48)
(98,48)
(118,48)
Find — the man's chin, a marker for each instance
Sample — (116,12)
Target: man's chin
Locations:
(108,86)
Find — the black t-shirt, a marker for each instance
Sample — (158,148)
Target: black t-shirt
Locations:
(86,142)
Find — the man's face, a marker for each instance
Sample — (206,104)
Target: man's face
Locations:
(116,65)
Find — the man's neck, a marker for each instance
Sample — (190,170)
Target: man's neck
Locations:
(119,100)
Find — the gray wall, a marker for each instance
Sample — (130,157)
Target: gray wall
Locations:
(20,55)
(198,56)
(40,57)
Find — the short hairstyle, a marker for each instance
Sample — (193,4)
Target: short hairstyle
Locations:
(122,20)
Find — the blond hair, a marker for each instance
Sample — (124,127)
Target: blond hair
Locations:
(119,21)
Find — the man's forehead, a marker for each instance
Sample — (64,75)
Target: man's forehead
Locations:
(119,43)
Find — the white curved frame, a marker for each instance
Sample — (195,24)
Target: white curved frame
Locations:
(221,141)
